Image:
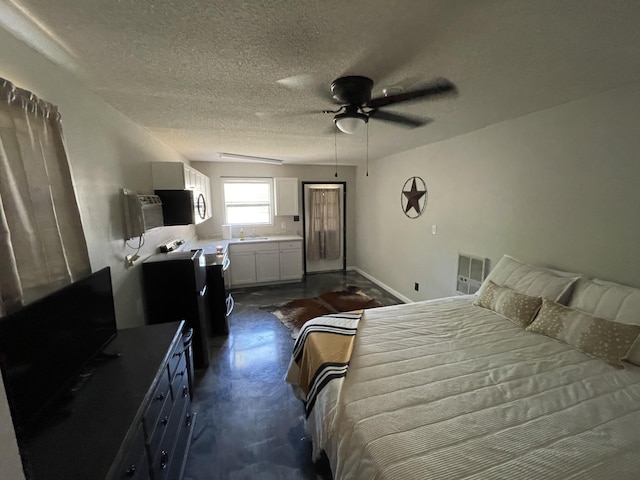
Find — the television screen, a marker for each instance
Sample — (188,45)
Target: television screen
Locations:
(45,345)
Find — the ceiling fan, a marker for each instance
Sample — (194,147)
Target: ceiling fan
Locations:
(353,94)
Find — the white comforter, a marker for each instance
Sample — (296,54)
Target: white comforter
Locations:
(446,390)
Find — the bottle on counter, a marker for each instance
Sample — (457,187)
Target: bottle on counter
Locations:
(242,233)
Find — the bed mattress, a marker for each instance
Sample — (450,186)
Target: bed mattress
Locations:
(446,390)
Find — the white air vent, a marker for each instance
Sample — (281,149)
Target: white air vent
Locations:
(471,272)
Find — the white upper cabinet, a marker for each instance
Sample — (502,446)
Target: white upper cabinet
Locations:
(177,176)
(286,196)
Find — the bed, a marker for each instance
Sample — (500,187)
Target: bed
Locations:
(484,386)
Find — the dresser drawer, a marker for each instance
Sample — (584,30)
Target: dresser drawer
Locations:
(180,380)
(165,454)
(176,465)
(135,464)
(156,404)
(177,355)
(160,428)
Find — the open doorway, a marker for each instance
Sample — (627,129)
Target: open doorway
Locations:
(324,226)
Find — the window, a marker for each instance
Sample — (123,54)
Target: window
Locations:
(247,201)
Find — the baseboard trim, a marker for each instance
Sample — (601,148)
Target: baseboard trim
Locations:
(383,285)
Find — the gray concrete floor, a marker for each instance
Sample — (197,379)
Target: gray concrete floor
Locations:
(249,424)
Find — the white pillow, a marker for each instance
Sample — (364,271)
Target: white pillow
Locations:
(530,280)
(611,301)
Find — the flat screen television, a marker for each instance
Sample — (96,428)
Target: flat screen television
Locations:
(46,345)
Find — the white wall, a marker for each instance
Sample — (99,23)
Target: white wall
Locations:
(304,173)
(558,187)
(107,152)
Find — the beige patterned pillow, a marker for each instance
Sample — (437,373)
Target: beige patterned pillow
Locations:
(605,339)
(519,308)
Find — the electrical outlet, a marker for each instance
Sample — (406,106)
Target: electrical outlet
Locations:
(416,286)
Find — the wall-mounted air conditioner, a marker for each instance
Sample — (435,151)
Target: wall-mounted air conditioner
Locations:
(141,213)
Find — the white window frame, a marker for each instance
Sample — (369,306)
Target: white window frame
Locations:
(257,180)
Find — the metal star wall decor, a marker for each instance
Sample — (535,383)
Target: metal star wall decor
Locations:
(414,197)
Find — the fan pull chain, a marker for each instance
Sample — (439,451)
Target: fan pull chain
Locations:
(335,148)
(367,159)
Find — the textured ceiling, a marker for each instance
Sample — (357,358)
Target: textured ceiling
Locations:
(208,76)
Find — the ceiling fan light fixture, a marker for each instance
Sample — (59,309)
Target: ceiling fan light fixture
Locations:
(350,122)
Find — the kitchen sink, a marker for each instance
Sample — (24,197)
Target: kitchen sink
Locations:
(254,238)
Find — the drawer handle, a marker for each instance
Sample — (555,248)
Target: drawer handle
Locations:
(161,396)
(188,422)
(165,420)
(178,354)
(131,471)
(185,391)
(164,459)
(180,373)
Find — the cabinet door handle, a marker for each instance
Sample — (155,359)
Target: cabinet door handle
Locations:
(188,420)
(185,391)
(161,396)
(131,471)
(164,459)
(165,420)
(201,206)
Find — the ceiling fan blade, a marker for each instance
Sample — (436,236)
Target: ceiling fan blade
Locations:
(437,88)
(409,121)
(287,114)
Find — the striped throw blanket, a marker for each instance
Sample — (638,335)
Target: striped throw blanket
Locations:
(321,354)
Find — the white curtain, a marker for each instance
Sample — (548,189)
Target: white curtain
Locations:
(324,227)
(42,244)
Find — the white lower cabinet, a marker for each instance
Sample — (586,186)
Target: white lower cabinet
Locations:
(265,262)
(243,267)
(268,265)
(290,260)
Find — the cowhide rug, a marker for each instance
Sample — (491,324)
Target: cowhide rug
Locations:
(294,313)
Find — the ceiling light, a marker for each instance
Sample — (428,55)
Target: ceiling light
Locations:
(247,158)
(350,122)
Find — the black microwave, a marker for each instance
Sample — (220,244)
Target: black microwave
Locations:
(183,207)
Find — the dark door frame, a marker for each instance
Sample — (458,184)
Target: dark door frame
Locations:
(344,222)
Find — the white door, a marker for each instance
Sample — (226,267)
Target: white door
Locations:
(324,232)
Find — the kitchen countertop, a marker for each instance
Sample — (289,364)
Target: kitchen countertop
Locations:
(209,244)
(260,238)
